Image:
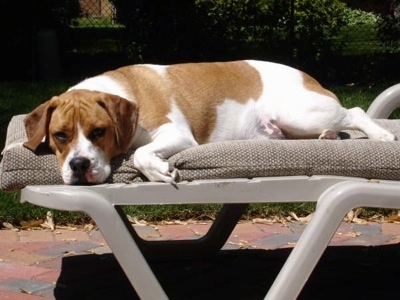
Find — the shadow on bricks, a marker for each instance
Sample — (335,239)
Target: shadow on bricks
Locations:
(343,273)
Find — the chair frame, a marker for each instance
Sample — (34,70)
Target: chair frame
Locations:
(335,196)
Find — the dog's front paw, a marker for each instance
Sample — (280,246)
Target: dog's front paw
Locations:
(155,168)
(163,174)
(159,173)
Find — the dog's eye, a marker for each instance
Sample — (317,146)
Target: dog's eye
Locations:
(97,133)
(61,137)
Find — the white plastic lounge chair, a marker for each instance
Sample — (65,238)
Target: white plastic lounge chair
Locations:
(338,175)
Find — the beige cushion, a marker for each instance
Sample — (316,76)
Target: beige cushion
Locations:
(353,156)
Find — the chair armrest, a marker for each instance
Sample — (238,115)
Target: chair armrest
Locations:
(385,103)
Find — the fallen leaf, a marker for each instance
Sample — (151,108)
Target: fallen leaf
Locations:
(352,217)
(8,225)
(359,221)
(263,221)
(394,218)
(354,234)
(49,223)
(72,228)
(270,221)
(349,217)
(135,221)
(242,245)
(306,219)
(69,253)
(377,218)
(31,224)
(88,227)
(173,222)
(70,240)
(358,211)
(281,219)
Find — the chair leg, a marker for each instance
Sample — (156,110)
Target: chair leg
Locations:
(332,206)
(207,245)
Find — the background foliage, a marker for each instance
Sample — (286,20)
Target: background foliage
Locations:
(327,38)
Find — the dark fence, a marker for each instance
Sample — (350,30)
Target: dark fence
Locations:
(325,38)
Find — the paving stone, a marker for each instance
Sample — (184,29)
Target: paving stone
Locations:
(97,237)
(22,257)
(11,295)
(15,270)
(368,229)
(50,276)
(35,235)
(32,247)
(175,232)
(297,227)
(68,247)
(147,232)
(345,228)
(7,236)
(71,235)
(47,293)
(368,235)
(368,240)
(245,232)
(200,229)
(271,229)
(53,264)
(25,285)
(393,240)
(391,228)
(277,241)
(100,250)
(6,247)
(230,246)
(339,238)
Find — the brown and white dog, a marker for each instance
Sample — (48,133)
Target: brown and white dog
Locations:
(161,110)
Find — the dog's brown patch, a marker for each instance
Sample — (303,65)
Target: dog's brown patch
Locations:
(149,89)
(202,87)
(197,89)
(312,84)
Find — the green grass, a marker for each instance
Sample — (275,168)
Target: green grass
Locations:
(95,22)
(21,97)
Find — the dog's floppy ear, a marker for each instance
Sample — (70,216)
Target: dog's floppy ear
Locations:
(124,114)
(37,122)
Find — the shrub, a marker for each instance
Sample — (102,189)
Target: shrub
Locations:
(209,30)
(317,23)
(389,34)
(352,17)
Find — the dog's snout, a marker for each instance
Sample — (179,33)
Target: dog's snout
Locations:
(79,165)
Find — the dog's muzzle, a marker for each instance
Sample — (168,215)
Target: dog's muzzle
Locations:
(79,166)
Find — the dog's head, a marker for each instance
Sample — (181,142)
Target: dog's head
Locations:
(85,129)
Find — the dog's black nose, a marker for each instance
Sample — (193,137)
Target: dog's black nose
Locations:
(79,165)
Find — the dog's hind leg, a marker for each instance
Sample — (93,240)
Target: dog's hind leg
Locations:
(329,134)
(265,128)
(358,119)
